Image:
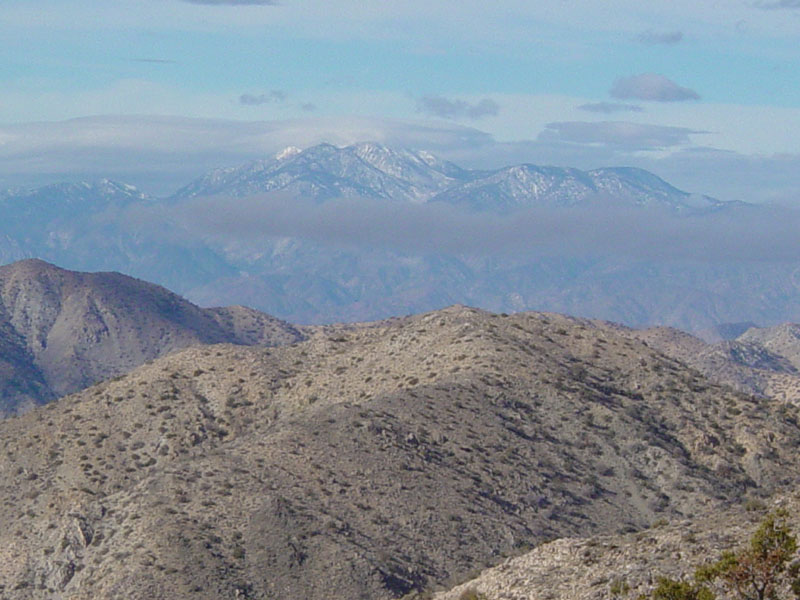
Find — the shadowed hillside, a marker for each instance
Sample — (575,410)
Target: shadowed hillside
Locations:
(61,331)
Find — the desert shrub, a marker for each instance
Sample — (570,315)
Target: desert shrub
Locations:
(671,589)
(471,594)
(618,587)
(754,504)
(763,570)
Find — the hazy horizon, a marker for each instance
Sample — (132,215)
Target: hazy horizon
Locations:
(702,95)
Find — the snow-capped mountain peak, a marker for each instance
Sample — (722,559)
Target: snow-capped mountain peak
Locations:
(322,172)
(288,152)
(372,170)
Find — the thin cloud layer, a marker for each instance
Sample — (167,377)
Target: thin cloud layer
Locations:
(778,5)
(610,107)
(161,154)
(157,61)
(620,134)
(274,96)
(651,87)
(438,106)
(744,234)
(669,38)
(234,2)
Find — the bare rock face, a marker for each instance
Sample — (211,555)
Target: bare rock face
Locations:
(61,331)
(371,461)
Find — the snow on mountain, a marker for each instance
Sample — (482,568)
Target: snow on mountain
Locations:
(525,186)
(288,152)
(24,209)
(366,170)
(112,226)
(371,170)
(520,186)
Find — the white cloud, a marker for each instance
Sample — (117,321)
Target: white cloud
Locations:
(161,154)
(167,152)
(259,99)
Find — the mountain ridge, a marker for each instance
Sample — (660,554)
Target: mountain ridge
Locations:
(73,329)
(371,170)
(212,253)
(322,172)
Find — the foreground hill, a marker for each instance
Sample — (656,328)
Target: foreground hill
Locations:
(61,331)
(370,461)
(624,567)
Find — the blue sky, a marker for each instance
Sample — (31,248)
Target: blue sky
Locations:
(706,94)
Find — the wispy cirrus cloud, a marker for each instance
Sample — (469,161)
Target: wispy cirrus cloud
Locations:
(610,107)
(445,108)
(618,134)
(668,38)
(278,97)
(234,2)
(652,87)
(273,96)
(778,5)
(157,61)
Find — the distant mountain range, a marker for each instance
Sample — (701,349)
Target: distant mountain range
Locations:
(109,226)
(370,170)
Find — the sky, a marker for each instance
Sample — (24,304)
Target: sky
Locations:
(156,92)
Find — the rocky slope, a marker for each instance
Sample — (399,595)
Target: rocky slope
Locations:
(623,567)
(761,361)
(783,340)
(61,331)
(369,461)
